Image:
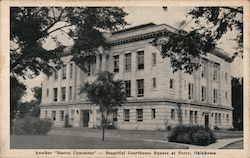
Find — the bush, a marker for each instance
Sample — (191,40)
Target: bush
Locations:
(197,135)
(32,125)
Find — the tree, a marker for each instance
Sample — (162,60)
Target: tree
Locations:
(31,26)
(15,97)
(210,24)
(237,102)
(106,93)
(31,108)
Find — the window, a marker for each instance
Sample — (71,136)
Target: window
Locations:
(139,115)
(220,119)
(63,93)
(215,96)
(153,59)
(152,113)
(195,117)
(46,114)
(226,77)
(55,94)
(185,113)
(64,72)
(126,115)
(203,93)
(116,63)
(216,118)
(203,71)
(53,115)
(71,70)
(215,72)
(115,116)
(226,94)
(140,60)
(128,62)
(172,114)
(171,83)
(227,118)
(88,68)
(191,117)
(70,93)
(47,92)
(140,88)
(154,82)
(61,115)
(128,88)
(56,75)
(190,91)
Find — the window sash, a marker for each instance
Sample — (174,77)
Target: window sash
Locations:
(128,87)
(139,113)
(116,63)
(55,94)
(190,91)
(203,93)
(140,88)
(63,93)
(153,58)
(126,115)
(128,62)
(64,72)
(140,60)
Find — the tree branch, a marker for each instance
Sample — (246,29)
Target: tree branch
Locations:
(233,9)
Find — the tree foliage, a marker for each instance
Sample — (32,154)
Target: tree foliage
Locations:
(106,93)
(211,23)
(237,102)
(31,26)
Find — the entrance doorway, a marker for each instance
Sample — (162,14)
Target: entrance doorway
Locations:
(206,120)
(85,118)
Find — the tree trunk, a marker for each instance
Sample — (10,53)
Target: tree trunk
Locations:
(103,126)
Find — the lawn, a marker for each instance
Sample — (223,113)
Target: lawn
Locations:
(76,142)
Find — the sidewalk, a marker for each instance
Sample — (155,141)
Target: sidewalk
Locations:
(148,136)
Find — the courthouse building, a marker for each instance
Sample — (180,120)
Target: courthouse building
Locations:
(158,98)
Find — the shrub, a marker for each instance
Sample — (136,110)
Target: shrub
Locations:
(197,135)
(32,125)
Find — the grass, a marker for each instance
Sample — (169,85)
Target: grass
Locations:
(75,142)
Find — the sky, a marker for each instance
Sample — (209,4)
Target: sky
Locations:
(141,15)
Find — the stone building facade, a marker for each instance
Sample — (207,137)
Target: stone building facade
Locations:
(159,98)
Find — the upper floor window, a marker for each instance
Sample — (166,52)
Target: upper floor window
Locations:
(70,93)
(190,91)
(153,59)
(171,83)
(128,62)
(64,72)
(140,60)
(203,93)
(47,94)
(71,70)
(203,71)
(154,82)
(126,115)
(226,76)
(226,94)
(139,115)
(116,63)
(215,72)
(140,88)
(63,93)
(56,75)
(128,88)
(215,96)
(55,94)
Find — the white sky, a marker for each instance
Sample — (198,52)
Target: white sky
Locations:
(141,15)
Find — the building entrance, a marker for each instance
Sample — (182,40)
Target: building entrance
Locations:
(85,118)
